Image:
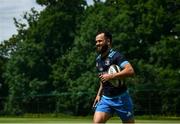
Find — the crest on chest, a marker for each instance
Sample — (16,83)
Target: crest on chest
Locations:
(107,62)
(103,65)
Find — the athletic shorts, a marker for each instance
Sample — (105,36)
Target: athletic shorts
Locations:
(121,105)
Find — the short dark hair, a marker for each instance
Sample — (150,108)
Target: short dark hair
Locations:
(107,34)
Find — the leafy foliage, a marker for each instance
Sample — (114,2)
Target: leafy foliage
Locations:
(52,62)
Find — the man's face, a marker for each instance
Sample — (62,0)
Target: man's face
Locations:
(101,43)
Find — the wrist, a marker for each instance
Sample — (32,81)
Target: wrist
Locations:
(98,95)
(113,76)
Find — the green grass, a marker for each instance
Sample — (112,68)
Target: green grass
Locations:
(72,119)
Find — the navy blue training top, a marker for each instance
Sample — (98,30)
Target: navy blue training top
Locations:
(102,65)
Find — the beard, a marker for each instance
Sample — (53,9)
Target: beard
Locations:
(102,49)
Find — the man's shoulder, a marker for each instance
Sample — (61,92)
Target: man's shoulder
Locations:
(114,53)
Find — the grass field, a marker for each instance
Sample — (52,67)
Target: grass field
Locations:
(51,120)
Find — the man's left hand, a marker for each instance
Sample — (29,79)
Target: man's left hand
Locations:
(105,77)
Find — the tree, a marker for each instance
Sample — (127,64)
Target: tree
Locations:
(48,37)
(54,59)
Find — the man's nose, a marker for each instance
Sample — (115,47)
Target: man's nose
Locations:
(97,43)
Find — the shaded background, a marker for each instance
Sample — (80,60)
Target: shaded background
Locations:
(49,65)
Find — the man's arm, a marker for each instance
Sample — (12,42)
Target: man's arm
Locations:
(98,96)
(126,72)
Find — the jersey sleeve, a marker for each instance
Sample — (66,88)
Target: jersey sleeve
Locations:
(120,60)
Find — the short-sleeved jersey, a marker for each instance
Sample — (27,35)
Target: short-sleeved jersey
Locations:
(102,65)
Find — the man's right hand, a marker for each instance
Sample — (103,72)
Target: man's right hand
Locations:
(97,99)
